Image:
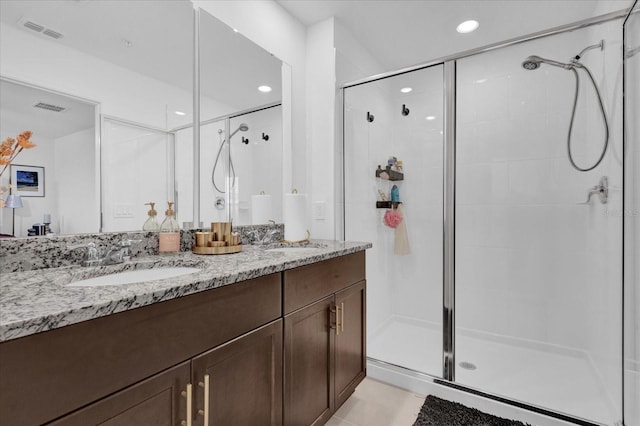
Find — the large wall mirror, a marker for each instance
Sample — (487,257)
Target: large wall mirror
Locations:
(135,60)
(65,194)
(242,173)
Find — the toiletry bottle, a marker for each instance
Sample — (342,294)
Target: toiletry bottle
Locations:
(169,233)
(152,223)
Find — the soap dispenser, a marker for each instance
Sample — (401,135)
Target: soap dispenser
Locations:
(152,223)
(169,233)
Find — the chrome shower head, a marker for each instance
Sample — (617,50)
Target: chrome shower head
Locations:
(533,62)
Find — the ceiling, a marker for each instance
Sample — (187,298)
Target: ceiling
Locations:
(17,112)
(155,38)
(402,33)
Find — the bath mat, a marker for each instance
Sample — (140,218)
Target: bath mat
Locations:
(438,412)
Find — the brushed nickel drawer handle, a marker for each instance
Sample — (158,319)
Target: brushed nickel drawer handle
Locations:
(342,314)
(339,326)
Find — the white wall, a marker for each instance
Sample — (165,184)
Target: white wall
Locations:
(78,204)
(321,126)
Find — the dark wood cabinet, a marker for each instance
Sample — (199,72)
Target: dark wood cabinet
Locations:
(242,380)
(350,346)
(71,367)
(286,348)
(324,341)
(156,401)
(309,364)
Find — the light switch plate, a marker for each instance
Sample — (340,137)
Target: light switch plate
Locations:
(121,211)
(319,210)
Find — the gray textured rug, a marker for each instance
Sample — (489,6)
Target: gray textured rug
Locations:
(438,412)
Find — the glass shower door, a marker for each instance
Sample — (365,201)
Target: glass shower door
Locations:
(387,122)
(538,265)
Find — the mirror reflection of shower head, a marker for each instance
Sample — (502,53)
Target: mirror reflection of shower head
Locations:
(241,128)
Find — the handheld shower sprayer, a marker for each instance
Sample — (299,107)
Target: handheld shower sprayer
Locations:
(241,128)
(533,62)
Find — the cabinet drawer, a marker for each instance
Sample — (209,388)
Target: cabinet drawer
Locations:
(61,370)
(307,284)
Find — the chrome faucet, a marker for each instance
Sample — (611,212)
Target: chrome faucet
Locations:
(601,190)
(118,253)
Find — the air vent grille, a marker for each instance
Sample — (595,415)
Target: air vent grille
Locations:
(34,26)
(49,107)
(52,34)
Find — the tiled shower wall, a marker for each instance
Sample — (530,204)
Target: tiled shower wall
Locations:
(531,262)
(400,287)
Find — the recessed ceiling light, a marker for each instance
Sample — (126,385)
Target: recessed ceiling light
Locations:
(235,30)
(430,117)
(482,80)
(467,26)
(180,113)
(406,89)
(264,89)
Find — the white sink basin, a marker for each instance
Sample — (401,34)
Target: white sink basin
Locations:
(132,277)
(293,249)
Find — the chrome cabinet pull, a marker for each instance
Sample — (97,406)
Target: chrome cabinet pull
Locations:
(339,326)
(342,319)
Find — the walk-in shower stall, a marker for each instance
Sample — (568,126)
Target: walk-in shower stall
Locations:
(507,165)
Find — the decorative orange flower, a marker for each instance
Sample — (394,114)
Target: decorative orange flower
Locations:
(23,140)
(9,148)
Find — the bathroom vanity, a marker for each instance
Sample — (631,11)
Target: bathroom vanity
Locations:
(258,338)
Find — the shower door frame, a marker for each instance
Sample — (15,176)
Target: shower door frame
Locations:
(449,172)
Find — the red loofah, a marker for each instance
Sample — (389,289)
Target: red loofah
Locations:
(392,218)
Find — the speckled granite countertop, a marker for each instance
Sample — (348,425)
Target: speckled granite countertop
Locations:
(40,300)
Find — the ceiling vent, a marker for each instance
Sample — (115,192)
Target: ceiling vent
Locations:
(34,26)
(49,107)
(52,34)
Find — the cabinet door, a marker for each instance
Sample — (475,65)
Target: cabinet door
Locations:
(308,365)
(156,401)
(350,346)
(244,378)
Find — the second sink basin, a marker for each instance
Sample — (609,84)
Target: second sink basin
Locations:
(132,277)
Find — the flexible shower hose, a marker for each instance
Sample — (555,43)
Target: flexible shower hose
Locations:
(215,165)
(573,115)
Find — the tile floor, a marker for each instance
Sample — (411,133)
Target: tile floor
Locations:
(378,404)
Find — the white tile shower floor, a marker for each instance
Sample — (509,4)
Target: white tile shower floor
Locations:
(555,380)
